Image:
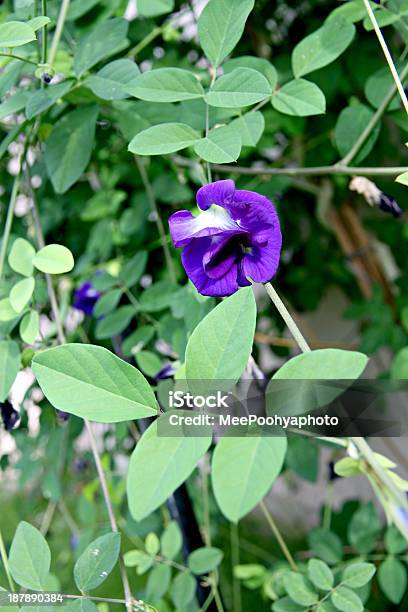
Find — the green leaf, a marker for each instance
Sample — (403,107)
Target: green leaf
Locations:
(152,544)
(395,542)
(392,577)
(158,582)
(320,574)
(403,178)
(220,345)
(243,471)
(38,22)
(303,457)
(21,294)
(377,87)
(166,85)
(9,366)
(15,34)
(326,545)
(256,63)
(107,302)
(133,269)
(106,39)
(115,322)
(77,605)
(220,27)
(358,574)
(182,590)
(96,562)
(69,147)
(250,127)
(346,600)
(30,327)
(324,364)
(157,297)
(152,8)
(54,259)
(159,465)
(347,467)
(221,146)
(21,257)
(241,87)
(163,138)
(300,98)
(351,123)
(171,540)
(287,605)
(7,312)
(322,46)
(399,367)
(91,382)
(30,558)
(42,99)
(110,83)
(204,560)
(300,589)
(137,340)
(364,528)
(13,104)
(148,362)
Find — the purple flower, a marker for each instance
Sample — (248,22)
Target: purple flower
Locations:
(85,298)
(236,237)
(167,371)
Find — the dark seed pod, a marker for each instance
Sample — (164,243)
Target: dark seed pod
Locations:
(389,205)
(332,473)
(9,415)
(62,416)
(47,78)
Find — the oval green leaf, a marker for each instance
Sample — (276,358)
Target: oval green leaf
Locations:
(162,139)
(92,383)
(54,259)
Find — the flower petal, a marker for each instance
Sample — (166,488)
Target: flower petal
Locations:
(212,222)
(262,263)
(220,256)
(215,193)
(192,259)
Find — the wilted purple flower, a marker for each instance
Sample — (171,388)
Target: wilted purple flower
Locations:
(400,517)
(167,371)
(236,237)
(85,298)
(9,416)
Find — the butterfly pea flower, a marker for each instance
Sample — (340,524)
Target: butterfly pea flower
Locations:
(235,237)
(85,298)
(8,415)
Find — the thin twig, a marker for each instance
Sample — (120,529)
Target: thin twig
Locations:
(295,171)
(283,311)
(387,54)
(4,558)
(18,57)
(373,122)
(160,227)
(278,536)
(58,31)
(9,220)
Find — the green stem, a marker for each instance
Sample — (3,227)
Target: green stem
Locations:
(145,41)
(387,54)
(159,222)
(44,33)
(4,558)
(207,121)
(327,513)
(278,536)
(373,122)
(9,220)
(311,171)
(18,57)
(283,311)
(58,31)
(236,584)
